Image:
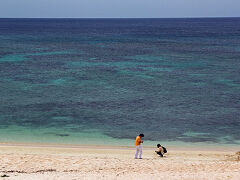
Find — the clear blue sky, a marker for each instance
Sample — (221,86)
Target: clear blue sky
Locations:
(119,8)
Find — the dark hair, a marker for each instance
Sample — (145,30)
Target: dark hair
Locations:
(158,145)
(142,135)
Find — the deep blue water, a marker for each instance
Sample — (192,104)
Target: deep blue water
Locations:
(171,79)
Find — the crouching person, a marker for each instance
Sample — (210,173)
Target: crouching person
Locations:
(161,150)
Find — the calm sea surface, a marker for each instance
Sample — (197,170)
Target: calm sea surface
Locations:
(79,80)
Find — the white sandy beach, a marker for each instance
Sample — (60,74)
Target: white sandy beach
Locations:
(41,161)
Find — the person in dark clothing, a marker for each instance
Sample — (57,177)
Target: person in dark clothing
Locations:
(160,150)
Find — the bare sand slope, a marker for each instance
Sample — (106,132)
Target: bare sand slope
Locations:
(31,161)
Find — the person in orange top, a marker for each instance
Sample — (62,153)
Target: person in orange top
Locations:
(138,146)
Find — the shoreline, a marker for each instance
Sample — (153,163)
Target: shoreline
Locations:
(55,136)
(191,146)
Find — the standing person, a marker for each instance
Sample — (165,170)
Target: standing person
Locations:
(138,146)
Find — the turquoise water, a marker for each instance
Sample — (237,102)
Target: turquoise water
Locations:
(104,81)
(95,137)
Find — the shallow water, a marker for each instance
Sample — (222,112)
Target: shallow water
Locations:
(172,79)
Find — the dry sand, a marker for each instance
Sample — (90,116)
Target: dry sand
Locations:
(35,161)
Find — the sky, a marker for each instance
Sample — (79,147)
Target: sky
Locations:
(118,8)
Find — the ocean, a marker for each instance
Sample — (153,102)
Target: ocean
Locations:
(104,81)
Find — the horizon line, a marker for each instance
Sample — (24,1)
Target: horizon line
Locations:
(197,17)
